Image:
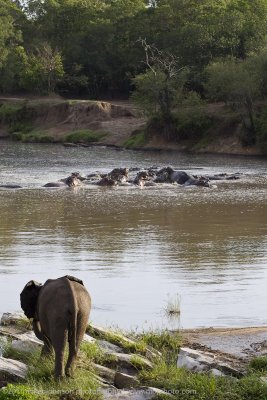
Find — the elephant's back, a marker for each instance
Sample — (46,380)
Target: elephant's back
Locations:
(81,296)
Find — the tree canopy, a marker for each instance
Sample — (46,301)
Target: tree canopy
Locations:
(94,45)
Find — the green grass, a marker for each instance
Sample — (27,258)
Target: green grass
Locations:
(40,383)
(183,384)
(17,392)
(163,341)
(84,136)
(259,364)
(202,386)
(138,362)
(23,356)
(136,140)
(93,353)
(132,346)
(8,111)
(35,136)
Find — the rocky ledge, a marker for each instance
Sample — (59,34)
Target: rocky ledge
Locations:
(117,371)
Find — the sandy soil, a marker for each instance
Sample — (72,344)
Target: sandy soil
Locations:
(242,343)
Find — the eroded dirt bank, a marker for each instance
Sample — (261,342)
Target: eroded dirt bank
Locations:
(110,123)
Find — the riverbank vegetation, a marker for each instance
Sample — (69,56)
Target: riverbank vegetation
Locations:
(172,56)
(164,373)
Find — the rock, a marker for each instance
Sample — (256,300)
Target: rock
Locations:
(105,373)
(12,318)
(109,347)
(198,361)
(26,342)
(3,343)
(125,381)
(144,393)
(216,372)
(103,333)
(12,369)
(130,363)
(88,339)
(152,353)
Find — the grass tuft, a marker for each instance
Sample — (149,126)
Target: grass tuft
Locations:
(129,346)
(84,136)
(259,364)
(92,352)
(173,305)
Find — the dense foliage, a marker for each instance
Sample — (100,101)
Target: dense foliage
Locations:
(167,54)
(91,47)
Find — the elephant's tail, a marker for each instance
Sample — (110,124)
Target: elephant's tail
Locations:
(72,334)
(73,331)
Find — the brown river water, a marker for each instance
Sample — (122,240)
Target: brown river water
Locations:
(138,249)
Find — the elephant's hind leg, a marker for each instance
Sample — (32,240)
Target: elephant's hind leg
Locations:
(74,344)
(59,343)
(47,349)
(73,351)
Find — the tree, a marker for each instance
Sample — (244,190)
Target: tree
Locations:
(236,83)
(42,71)
(160,89)
(9,35)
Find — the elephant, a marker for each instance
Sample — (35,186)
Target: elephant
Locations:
(60,310)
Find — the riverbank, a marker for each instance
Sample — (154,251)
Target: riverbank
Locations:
(111,365)
(118,124)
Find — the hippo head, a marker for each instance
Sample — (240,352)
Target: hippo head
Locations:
(203,181)
(72,181)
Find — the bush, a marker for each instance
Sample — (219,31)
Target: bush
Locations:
(84,136)
(184,125)
(192,125)
(8,112)
(261,131)
(259,364)
(137,139)
(33,137)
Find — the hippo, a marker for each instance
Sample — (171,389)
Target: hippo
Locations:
(169,175)
(10,186)
(115,177)
(144,178)
(106,181)
(119,174)
(70,181)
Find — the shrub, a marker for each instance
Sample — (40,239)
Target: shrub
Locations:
(33,137)
(84,136)
(261,131)
(192,125)
(137,139)
(259,363)
(8,111)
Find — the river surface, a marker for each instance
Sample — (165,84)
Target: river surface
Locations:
(138,250)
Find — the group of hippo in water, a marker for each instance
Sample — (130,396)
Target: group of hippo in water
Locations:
(136,176)
(141,177)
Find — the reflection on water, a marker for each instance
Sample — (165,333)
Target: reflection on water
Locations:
(133,248)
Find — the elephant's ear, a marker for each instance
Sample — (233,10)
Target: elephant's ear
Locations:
(29,297)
